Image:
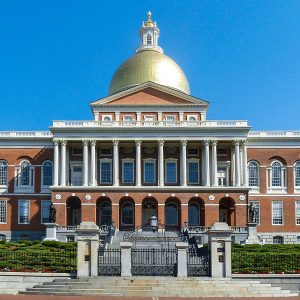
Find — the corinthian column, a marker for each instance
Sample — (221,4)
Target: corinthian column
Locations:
(161,162)
(93,180)
(183,177)
(138,169)
(214,164)
(63,163)
(116,163)
(237,163)
(85,162)
(207,167)
(56,162)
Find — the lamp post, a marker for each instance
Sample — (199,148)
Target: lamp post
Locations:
(153,223)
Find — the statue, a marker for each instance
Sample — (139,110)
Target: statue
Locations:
(52,213)
(252,213)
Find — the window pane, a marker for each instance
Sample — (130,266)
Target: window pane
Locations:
(171,214)
(47,173)
(106,172)
(3,211)
(45,211)
(77,176)
(25,173)
(127,214)
(276,174)
(193,172)
(24,211)
(297,174)
(105,213)
(194,216)
(3,173)
(171,172)
(298,212)
(128,172)
(253,174)
(277,212)
(149,172)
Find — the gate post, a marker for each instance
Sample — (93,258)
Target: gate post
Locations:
(181,259)
(87,249)
(219,243)
(126,259)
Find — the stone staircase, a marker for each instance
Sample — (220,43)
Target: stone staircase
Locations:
(158,287)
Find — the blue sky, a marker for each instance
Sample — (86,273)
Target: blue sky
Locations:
(56,56)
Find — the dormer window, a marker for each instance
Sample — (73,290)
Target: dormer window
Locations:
(170,119)
(149,39)
(127,119)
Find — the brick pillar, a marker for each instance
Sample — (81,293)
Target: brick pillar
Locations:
(211,214)
(61,214)
(184,213)
(161,214)
(88,212)
(115,214)
(240,215)
(138,215)
(290,179)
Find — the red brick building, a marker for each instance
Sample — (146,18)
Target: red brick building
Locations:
(150,149)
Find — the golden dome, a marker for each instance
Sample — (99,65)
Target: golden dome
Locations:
(149,65)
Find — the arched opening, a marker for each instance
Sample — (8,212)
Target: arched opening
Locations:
(103,211)
(127,221)
(149,208)
(73,211)
(196,213)
(227,211)
(172,214)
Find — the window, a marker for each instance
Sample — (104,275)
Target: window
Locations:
(253,174)
(70,238)
(277,239)
(222,180)
(128,172)
(149,39)
(2,237)
(171,214)
(149,171)
(45,211)
(256,206)
(171,171)
(194,214)
(297,203)
(127,213)
(193,172)
(105,171)
(277,213)
(23,211)
(192,118)
(298,240)
(3,211)
(77,151)
(193,151)
(47,173)
(170,119)
(105,152)
(222,151)
(76,175)
(3,172)
(105,213)
(276,177)
(25,173)
(127,119)
(297,174)
(149,120)
(276,174)
(24,180)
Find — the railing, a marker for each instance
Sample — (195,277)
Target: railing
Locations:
(80,124)
(25,261)
(109,262)
(265,263)
(25,134)
(275,134)
(66,228)
(204,229)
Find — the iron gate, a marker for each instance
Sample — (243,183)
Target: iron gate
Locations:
(154,262)
(198,262)
(109,262)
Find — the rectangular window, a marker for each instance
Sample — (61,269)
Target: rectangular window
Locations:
(127,119)
(277,213)
(3,211)
(222,180)
(77,151)
(76,178)
(23,211)
(128,173)
(193,151)
(193,172)
(171,172)
(105,152)
(298,212)
(45,211)
(222,151)
(105,172)
(149,171)
(256,206)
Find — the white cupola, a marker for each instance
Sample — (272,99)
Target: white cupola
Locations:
(149,34)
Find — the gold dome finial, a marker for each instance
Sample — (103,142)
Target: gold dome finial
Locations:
(149,22)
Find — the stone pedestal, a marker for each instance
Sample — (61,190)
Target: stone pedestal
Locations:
(126,259)
(50,232)
(87,249)
(219,239)
(252,235)
(181,259)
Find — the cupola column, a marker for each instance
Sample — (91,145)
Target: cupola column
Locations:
(56,162)
(183,177)
(138,168)
(93,180)
(116,163)
(85,162)
(214,164)
(161,162)
(207,167)
(237,163)
(63,162)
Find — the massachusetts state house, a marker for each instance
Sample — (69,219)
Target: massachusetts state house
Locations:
(149,149)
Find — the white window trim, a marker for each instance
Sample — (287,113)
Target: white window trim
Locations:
(282,213)
(254,189)
(297,201)
(277,189)
(19,212)
(106,116)
(172,116)
(100,169)
(192,116)
(72,165)
(18,188)
(126,116)
(6,184)
(126,160)
(5,201)
(223,164)
(149,122)
(173,160)
(296,187)
(144,169)
(187,171)
(45,188)
(42,210)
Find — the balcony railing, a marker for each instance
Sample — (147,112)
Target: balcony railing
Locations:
(82,124)
(274,134)
(203,229)
(25,134)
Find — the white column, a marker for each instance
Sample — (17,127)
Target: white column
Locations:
(85,162)
(56,162)
(183,177)
(116,163)
(63,163)
(181,116)
(232,167)
(207,167)
(161,162)
(138,117)
(214,164)
(245,164)
(93,180)
(138,167)
(241,166)
(237,163)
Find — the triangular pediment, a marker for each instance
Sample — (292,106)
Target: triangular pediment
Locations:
(150,94)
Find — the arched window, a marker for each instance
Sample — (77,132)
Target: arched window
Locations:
(278,239)
(253,174)
(276,174)
(105,213)
(127,217)
(47,173)
(149,39)
(171,214)
(3,172)
(194,214)
(25,173)
(297,174)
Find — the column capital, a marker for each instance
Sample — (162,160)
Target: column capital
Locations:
(206,142)
(63,142)
(56,142)
(244,142)
(183,142)
(138,142)
(93,142)
(160,142)
(236,142)
(115,142)
(214,142)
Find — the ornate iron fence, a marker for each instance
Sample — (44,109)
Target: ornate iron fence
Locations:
(37,261)
(109,262)
(154,262)
(265,263)
(198,262)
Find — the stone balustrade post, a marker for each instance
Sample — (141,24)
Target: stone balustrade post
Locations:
(126,259)
(51,229)
(181,259)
